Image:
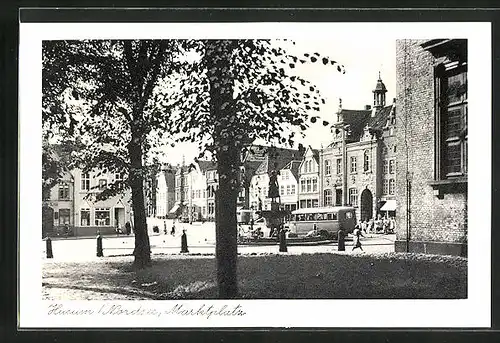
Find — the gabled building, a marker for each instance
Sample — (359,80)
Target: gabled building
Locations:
(308,188)
(198,186)
(165,193)
(68,204)
(275,159)
(182,192)
(103,215)
(71,203)
(431,173)
(252,157)
(358,166)
(288,181)
(212,179)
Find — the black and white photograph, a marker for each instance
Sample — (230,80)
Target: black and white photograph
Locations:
(254,174)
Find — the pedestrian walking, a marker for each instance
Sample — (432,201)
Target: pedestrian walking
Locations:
(165,227)
(128,228)
(172,232)
(357,238)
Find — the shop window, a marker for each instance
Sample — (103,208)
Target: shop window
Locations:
(102,217)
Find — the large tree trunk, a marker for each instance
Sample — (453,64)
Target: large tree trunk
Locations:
(226,251)
(142,250)
(228,158)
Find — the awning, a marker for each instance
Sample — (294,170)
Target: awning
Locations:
(174,209)
(390,205)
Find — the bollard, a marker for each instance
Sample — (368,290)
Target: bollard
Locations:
(282,235)
(48,248)
(184,243)
(341,239)
(99,245)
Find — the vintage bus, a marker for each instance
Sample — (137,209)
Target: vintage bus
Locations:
(330,219)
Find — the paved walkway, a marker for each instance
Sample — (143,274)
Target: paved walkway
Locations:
(85,249)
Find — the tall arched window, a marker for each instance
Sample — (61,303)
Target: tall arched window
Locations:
(366,161)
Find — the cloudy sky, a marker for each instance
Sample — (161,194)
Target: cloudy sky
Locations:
(363,59)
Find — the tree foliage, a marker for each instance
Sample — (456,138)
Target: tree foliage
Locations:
(112,96)
(268,99)
(238,91)
(121,97)
(51,169)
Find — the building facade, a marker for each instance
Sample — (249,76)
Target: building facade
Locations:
(288,181)
(212,179)
(309,179)
(285,163)
(358,167)
(71,203)
(165,192)
(431,175)
(198,194)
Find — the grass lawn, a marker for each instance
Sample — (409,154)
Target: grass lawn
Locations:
(309,276)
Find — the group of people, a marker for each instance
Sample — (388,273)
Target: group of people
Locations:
(378,225)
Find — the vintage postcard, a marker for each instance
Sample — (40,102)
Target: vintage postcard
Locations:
(254,175)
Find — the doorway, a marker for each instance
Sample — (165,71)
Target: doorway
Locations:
(120,217)
(366,205)
(338,197)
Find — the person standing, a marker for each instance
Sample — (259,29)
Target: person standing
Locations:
(172,232)
(165,227)
(392,225)
(357,238)
(378,224)
(371,225)
(363,226)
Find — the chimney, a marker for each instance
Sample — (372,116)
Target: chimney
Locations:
(374,111)
(368,107)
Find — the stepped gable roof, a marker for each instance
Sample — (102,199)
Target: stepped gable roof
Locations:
(357,120)
(380,119)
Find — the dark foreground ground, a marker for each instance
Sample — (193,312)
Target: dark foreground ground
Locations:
(268,276)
